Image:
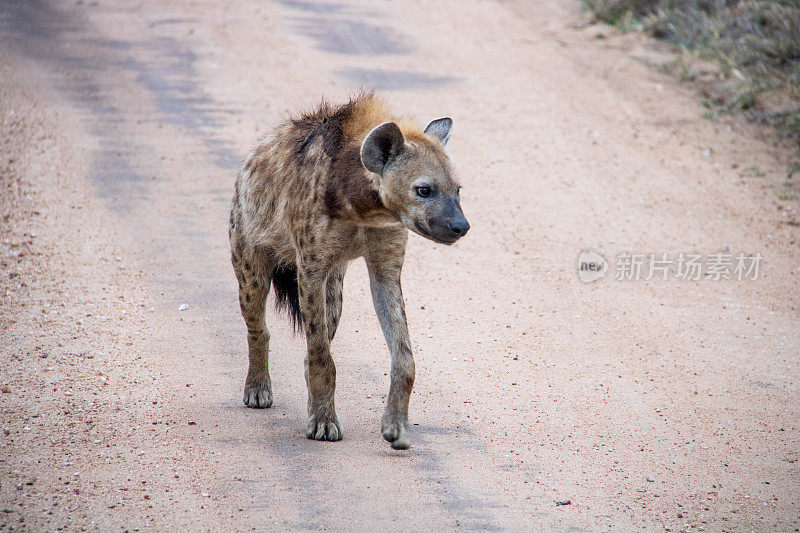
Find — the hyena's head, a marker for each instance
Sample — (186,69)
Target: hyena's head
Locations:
(416,180)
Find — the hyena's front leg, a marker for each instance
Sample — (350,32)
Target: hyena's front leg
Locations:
(387,295)
(320,370)
(333,299)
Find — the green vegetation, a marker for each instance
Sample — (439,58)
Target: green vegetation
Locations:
(755,43)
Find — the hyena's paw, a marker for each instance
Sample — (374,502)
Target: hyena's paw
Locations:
(258,394)
(324,427)
(395,429)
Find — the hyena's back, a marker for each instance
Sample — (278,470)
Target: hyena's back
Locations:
(303,172)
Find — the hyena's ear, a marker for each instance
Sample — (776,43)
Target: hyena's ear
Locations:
(383,144)
(440,129)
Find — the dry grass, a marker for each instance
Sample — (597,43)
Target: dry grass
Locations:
(756,44)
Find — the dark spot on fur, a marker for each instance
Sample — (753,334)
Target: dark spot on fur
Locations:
(318,359)
(255,284)
(333,202)
(247,266)
(312,328)
(247,297)
(235,203)
(262,167)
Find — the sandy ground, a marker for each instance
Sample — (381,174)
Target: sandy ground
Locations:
(649,404)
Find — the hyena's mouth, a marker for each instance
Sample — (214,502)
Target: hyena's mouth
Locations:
(440,241)
(428,234)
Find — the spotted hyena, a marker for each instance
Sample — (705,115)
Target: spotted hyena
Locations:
(323,189)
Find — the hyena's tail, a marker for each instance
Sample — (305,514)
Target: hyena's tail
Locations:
(287,294)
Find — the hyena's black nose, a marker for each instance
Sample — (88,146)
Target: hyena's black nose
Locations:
(458,227)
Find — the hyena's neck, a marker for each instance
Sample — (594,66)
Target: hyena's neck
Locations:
(365,112)
(351,193)
(336,133)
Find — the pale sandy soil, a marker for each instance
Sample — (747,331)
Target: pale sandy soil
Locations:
(647,404)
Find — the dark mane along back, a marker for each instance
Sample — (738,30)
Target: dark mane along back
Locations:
(346,190)
(328,122)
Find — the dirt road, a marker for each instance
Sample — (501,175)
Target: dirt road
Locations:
(644,403)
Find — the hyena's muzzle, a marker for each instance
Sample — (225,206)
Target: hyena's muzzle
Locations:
(448,226)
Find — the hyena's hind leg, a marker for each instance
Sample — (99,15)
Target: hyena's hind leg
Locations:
(253,267)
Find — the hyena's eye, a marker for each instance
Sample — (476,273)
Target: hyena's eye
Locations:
(423,192)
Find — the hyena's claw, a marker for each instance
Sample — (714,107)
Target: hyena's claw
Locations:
(321,427)
(396,432)
(258,395)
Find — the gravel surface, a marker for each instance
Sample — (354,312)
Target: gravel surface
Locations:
(541,402)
